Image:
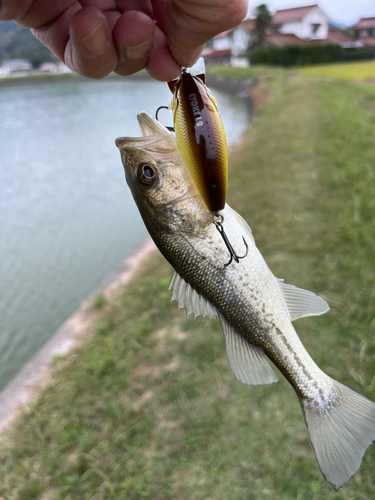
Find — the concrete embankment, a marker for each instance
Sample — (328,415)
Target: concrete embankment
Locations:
(23,388)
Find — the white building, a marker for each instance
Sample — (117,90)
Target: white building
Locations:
(17,67)
(230,46)
(306,23)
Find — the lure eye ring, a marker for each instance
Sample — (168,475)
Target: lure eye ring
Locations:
(146,174)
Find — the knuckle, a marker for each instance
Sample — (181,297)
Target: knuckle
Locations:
(232,13)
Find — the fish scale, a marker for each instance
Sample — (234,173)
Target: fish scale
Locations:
(242,308)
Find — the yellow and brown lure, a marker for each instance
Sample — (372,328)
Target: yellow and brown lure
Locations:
(200,137)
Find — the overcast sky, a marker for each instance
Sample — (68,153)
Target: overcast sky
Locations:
(340,11)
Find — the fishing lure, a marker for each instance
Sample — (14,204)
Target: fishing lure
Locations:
(200,136)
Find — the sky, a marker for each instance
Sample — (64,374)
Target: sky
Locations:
(340,11)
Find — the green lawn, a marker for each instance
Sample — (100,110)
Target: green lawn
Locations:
(149,407)
(364,70)
(244,73)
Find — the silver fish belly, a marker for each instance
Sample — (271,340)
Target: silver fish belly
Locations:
(255,309)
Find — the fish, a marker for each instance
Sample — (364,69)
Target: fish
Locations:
(200,136)
(255,308)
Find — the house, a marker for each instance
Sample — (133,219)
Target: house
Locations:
(364,31)
(229,46)
(219,49)
(47,68)
(17,67)
(305,23)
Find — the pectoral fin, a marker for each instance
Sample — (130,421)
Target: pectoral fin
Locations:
(301,303)
(248,363)
(187,297)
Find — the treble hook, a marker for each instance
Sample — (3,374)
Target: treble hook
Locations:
(218,221)
(171,129)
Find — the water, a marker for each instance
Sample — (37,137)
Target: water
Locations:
(67,218)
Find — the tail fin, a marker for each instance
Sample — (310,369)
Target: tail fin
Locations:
(341,437)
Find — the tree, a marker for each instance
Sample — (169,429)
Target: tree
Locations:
(263,21)
(17,42)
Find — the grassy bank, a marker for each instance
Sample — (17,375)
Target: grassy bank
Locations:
(149,408)
(364,70)
(245,73)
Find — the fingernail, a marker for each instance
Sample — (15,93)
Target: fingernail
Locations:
(96,42)
(137,51)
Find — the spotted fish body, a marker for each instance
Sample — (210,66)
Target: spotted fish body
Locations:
(200,137)
(255,309)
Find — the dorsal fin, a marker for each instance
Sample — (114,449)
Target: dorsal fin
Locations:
(202,78)
(245,226)
(172,84)
(302,303)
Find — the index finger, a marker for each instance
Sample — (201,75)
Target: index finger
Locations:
(65,26)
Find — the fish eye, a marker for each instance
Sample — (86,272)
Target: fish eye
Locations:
(146,174)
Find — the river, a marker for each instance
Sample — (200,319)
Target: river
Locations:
(67,218)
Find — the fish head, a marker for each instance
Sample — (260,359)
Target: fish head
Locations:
(158,178)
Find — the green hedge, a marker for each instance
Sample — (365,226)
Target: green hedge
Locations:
(301,55)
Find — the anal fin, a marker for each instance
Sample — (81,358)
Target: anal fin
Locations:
(248,363)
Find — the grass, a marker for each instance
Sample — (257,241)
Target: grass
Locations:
(99,301)
(364,70)
(148,408)
(244,73)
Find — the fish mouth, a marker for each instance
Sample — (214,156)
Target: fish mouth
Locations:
(155,137)
(151,126)
(156,142)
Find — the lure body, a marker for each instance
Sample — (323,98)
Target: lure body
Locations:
(200,138)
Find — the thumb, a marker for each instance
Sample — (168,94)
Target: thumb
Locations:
(189,24)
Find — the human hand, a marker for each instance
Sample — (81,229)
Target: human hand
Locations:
(95,37)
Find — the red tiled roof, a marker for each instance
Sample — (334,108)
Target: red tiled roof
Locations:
(248,25)
(365,22)
(368,40)
(216,53)
(337,37)
(281,40)
(290,15)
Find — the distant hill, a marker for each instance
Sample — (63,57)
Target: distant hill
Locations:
(17,42)
(343,27)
